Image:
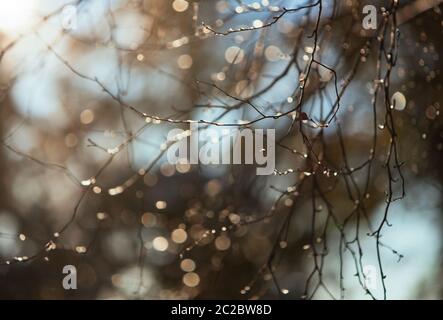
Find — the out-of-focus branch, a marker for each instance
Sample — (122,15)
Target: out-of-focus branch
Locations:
(415,8)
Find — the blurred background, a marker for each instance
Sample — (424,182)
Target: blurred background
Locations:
(86,91)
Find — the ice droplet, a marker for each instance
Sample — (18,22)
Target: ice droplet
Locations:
(398,101)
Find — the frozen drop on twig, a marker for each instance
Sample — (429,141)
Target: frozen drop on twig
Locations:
(398,101)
